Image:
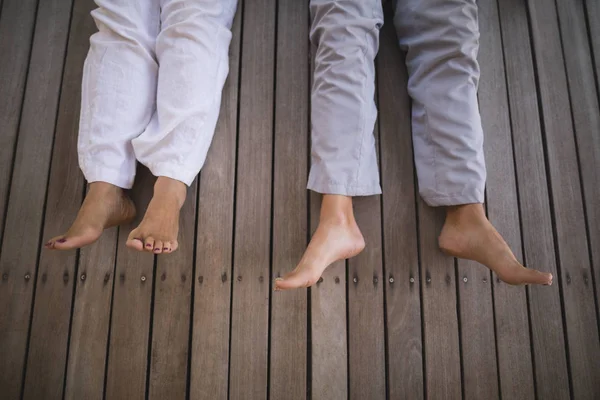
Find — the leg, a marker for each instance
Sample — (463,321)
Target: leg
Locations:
(118,92)
(192,51)
(441,38)
(344,161)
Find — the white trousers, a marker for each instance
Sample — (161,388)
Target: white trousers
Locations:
(152,86)
(441,40)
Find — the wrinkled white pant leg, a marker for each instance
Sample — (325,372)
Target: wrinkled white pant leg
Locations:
(118,89)
(441,38)
(192,51)
(345,34)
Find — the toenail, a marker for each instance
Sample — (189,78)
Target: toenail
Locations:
(148,245)
(61,240)
(165,248)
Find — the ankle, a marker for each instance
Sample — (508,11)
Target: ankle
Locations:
(337,210)
(465,213)
(171,190)
(103,189)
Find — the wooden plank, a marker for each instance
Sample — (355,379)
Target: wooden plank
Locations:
(16,32)
(592,8)
(172,310)
(328,313)
(91,319)
(510,302)
(586,117)
(404,336)
(547,335)
(329,339)
(441,342)
(252,286)
(366,334)
(131,314)
(214,244)
(58,270)
(93,294)
(20,249)
(288,357)
(577,287)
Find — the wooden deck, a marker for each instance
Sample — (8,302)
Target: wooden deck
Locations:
(399,321)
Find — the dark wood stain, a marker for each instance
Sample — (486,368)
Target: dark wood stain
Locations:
(400,326)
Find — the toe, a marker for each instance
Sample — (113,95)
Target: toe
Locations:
(75,241)
(294,280)
(174,246)
(158,247)
(135,244)
(50,243)
(537,278)
(135,240)
(149,244)
(167,247)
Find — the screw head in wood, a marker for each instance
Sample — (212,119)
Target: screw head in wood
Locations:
(412,280)
(355,280)
(82,277)
(465,280)
(143,278)
(27,277)
(5,277)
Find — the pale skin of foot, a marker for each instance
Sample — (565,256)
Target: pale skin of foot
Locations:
(337,237)
(105,206)
(157,233)
(467,234)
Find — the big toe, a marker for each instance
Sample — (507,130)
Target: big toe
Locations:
(294,280)
(540,278)
(72,241)
(135,244)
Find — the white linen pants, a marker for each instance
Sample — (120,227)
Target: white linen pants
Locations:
(152,86)
(441,40)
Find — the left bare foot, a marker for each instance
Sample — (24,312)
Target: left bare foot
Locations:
(468,234)
(157,233)
(336,238)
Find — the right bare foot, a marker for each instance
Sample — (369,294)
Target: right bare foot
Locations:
(105,206)
(468,234)
(336,238)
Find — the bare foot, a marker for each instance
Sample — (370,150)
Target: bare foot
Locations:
(105,206)
(336,238)
(468,234)
(157,233)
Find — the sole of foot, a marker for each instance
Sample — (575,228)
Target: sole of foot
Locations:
(105,206)
(330,243)
(158,231)
(468,234)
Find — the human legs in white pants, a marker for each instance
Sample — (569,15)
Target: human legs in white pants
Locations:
(151,92)
(152,85)
(441,40)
